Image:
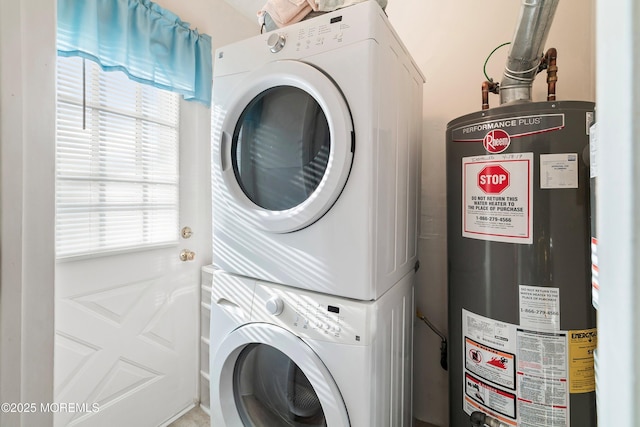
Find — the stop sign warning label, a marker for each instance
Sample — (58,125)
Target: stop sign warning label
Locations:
(497,198)
(493,179)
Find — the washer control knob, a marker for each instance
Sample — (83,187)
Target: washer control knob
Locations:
(276,42)
(275,305)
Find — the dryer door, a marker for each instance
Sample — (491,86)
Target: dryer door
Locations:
(265,376)
(286,146)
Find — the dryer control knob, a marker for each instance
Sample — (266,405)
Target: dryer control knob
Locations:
(275,305)
(276,42)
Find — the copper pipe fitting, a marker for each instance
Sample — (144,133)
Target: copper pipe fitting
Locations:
(487,87)
(552,72)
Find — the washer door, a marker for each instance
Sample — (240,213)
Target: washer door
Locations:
(286,146)
(282,383)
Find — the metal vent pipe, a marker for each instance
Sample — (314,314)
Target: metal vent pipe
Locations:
(526,50)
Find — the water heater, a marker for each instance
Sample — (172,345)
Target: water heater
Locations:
(522,329)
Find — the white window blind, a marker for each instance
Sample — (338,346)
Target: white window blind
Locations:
(116,178)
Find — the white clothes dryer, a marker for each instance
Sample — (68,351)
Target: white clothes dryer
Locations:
(286,357)
(316,155)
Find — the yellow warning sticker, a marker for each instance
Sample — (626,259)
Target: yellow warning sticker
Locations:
(582,343)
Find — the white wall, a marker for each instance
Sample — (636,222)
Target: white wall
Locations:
(450,41)
(214,17)
(27,61)
(27,140)
(225,25)
(618,89)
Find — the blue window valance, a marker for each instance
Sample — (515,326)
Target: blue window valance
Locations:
(150,44)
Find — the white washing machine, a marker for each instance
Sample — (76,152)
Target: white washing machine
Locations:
(286,357)
(316,155)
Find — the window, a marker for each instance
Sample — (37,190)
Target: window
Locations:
(116,175)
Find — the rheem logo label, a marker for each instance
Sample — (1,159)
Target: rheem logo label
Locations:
(496,141)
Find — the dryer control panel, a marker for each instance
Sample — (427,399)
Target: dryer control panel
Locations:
(312,315)
(309,39)
(328,31)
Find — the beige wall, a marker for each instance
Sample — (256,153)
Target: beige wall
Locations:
(450,42)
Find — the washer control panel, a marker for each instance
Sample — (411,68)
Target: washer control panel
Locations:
(312,315)
(317,316)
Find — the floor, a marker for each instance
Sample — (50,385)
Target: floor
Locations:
(198,418)
(194,418)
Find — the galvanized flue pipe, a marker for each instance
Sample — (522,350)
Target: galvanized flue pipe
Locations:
(526,49)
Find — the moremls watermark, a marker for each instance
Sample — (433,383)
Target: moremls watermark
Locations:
(55,407)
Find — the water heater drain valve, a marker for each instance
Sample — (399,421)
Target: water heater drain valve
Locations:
(443,338)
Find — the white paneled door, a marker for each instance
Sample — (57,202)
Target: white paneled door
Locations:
(125,339)
(126,323)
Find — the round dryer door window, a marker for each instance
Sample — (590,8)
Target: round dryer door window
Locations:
(286,146)
(280,149)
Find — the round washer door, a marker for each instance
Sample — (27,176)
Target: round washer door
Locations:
(281,383)
(286,146)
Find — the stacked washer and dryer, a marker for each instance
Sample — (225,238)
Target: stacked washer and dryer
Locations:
(316,170)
